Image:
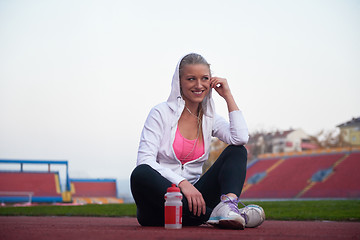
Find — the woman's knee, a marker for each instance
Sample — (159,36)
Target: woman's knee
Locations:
(140,173)
(238,150)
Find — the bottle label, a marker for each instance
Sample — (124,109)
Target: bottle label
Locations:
(173,214)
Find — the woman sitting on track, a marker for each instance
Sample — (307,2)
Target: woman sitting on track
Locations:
(175,143)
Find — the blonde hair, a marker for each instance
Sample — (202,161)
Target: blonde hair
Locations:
(192,58)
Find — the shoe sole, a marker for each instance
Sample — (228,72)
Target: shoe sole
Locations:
(231,224)
(227,224)
(213,222)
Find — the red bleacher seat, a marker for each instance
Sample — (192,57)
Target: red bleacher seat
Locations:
(45,187)
(343,183)
(97,191)
(261,166)
(41,184)
(289,177)
(94,188)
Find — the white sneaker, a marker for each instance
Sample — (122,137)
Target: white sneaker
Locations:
(254,215)
(227,215)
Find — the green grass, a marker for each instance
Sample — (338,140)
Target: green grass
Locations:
(90,210)
(331,210)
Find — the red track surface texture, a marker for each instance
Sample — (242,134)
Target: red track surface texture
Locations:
(128,228)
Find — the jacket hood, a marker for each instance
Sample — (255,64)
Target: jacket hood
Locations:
(177,103)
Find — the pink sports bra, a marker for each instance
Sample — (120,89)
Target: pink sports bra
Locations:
(184,148)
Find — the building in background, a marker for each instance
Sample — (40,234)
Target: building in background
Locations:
(291,141)
(350,131)
(280,141)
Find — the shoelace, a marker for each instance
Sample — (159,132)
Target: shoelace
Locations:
(233,204)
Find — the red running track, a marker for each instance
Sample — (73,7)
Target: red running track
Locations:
(127,228)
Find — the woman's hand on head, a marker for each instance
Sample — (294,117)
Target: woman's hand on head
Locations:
(221,86)
(194,197)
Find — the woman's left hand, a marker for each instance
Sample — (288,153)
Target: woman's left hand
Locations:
(221,86)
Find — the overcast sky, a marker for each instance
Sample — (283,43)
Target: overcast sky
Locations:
(78,78)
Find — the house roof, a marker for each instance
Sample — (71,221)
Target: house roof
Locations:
(282,133)
(352,122)
(269,136)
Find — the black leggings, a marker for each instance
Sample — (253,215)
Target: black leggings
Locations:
(226,175)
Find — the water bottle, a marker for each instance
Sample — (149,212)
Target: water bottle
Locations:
(173,208)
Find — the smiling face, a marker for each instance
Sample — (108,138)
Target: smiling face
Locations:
(195,82)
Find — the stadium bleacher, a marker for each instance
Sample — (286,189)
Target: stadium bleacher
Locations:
(44,186)
(33,186)
(344,182)
(94,191)
(320,175)
(30,187)
(262,167)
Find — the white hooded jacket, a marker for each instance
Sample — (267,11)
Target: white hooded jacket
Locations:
(158,134)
